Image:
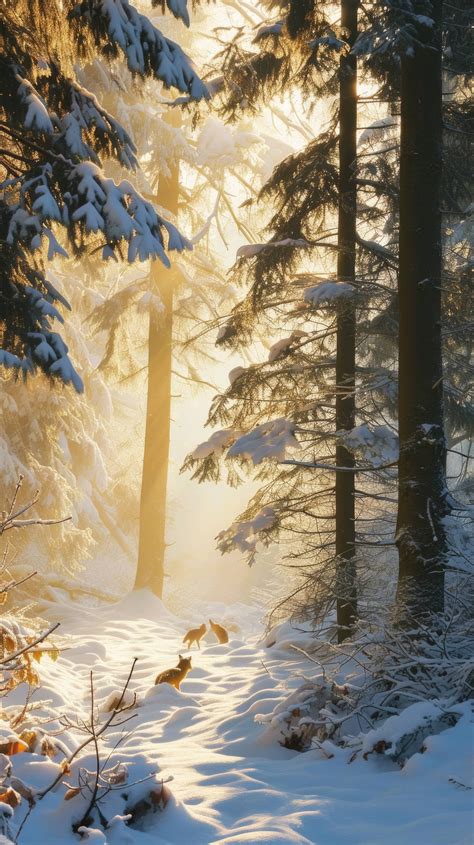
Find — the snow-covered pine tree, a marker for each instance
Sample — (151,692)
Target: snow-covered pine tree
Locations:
(430,47)
(306,51)
(55,138)
(259,392)
(422,501)
(183,170)
(68,451)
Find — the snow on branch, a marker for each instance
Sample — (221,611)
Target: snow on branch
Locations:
(118,27)
(84,118)
(43,348)
(377,446)
(270,440)
(328,293)
(243,536)
(285,345)
(217,443)
(251,250)
(376,131)
(178,8)
(36,112)
(80,197)
(404,734)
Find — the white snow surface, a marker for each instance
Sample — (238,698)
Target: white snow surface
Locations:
(233,782)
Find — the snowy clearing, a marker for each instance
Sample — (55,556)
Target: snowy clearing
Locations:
(232,781)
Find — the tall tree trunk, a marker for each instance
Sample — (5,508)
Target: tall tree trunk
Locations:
(422,476)
(152,539)
(346,328)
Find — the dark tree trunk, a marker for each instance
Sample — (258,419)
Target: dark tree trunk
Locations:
(422,476)
(346,325)
(152,539)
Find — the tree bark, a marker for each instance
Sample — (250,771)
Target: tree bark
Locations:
(346,329)
(152,537)
(421,536)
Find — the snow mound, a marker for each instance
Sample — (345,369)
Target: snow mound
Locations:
(233,780)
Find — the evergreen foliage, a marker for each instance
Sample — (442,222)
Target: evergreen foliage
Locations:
(285,294)
(56,137)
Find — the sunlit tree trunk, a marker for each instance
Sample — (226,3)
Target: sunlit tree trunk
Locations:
(422,477)
(346,328)
(152,536)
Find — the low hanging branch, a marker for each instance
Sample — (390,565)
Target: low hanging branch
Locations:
(11,518)
(315,465)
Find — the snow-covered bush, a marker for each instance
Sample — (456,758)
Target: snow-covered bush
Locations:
(382,694)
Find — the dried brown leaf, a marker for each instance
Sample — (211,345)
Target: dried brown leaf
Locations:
(13,746)
(30,737)
(23,790)
(11,797)
(48,748)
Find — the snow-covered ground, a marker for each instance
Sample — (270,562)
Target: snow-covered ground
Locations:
(232,781)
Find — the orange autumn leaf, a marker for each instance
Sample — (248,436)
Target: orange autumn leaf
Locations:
(13,746)
(30,737)
(9,642)
(32,677)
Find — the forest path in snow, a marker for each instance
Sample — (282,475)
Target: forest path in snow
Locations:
(232,781)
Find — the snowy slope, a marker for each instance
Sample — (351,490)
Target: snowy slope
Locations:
(232,782)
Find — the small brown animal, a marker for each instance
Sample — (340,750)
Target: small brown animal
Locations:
(194,635)
(176,675)
(219,631)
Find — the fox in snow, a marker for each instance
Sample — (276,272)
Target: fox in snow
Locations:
(176,675)
(194,635)
(219,631)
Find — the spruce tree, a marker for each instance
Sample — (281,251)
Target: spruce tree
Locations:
(55,138)
(422,489)
(304,50)
(183,169)
(428,46)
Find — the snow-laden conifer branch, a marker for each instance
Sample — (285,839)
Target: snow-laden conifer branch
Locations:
(55,136)
(117,27)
